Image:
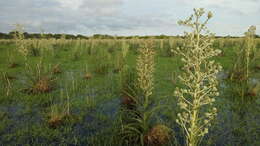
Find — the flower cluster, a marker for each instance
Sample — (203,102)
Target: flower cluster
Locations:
(250,45)
(145,70)
(19,40)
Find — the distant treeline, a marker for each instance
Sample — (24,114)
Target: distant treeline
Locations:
(27,35)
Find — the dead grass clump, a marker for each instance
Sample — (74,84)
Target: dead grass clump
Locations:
(56,121)
(42,85)
(159,135)
(253,91)
(59,119)
(87,76)
(56,69)
(13,65)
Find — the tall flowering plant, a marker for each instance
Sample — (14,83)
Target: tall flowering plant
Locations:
(199,79)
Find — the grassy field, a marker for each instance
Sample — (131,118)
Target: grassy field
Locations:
(69,92)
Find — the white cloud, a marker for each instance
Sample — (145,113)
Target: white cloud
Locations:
(91,6)
(242,6)
(124,16)
(70,4)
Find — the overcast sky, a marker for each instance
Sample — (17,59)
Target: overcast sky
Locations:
(126,17)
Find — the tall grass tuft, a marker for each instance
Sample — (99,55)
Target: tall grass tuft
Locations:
(39,79)
(6,82)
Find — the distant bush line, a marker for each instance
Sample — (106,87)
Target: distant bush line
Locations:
(95,36)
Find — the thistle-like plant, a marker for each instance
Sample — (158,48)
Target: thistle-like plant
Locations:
(145,70)
(19,40)
(199,79)
(136,123)
(250,45)
(245,57)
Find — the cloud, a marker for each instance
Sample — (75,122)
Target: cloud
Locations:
(135,17)
(77,16)
(243,7)
(91,7)
(55,15)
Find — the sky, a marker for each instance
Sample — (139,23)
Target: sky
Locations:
(126,17)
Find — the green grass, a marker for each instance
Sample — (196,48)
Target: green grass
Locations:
(95,103)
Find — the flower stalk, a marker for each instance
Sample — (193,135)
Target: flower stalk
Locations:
(196,98)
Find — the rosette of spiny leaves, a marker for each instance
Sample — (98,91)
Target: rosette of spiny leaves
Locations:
(197,95)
